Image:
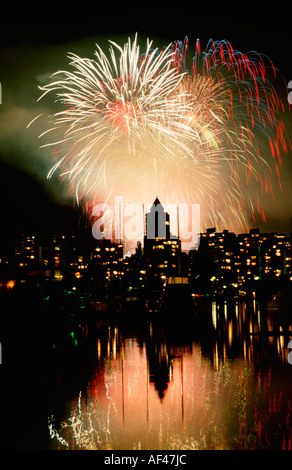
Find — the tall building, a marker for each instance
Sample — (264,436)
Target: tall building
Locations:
(236,259)
(157,222)
(216,258)
(107,258)
(26,252)
(162,251)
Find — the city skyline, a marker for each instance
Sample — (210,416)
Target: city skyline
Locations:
(235,258)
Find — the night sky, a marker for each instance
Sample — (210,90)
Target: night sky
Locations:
(35,44)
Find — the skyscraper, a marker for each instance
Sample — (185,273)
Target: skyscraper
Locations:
(161,249)
(157,222)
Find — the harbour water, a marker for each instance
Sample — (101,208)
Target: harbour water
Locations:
(217,379)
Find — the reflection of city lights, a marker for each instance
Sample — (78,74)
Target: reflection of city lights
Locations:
(230,333)
(214,314)
(123,408)
(55,434)
(10,284)
(58,275)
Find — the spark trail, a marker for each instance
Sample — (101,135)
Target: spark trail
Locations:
(136,124)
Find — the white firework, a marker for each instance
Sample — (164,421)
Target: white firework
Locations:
(123,115)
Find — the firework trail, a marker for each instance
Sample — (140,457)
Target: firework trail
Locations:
(248,127)
(138,124)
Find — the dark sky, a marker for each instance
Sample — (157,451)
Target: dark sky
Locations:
(34,43)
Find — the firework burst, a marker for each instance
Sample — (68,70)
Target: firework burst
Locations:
(138,124)
(248,128)
(121,116)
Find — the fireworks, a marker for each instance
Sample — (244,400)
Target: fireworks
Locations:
(248,127)
(138,124)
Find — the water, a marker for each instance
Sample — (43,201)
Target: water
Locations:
(219,379)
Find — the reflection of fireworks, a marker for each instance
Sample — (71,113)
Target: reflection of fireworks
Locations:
(137,125)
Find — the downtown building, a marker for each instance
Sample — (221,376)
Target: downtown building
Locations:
(51,257)
(162,250)
(107,258)
(224,258)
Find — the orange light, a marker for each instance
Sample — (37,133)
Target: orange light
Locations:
(10,284)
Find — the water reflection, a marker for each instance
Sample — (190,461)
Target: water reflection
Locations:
(216,380)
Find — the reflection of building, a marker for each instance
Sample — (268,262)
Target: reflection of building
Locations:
(161,250)
(159,360)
